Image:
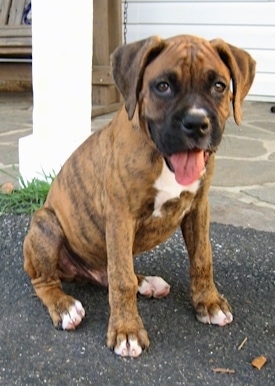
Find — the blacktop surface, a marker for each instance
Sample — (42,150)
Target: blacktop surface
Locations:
(183,351)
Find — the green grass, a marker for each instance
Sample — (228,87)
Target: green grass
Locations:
(28,198)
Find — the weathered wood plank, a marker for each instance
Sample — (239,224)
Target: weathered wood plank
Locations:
(16,12)
(12,50)
(16,40)
(16,71)
(4,11)
(107,36)
(105,95)
(101,51)
(13,31)
(102,75)
(100,109)
(115,25)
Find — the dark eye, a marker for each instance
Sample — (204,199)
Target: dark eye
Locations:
(163,87)
(219,87)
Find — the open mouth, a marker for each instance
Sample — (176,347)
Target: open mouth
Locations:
(187,166)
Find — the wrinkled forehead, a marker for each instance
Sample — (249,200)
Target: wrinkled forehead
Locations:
(187,54)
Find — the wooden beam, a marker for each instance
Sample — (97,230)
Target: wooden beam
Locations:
(16,12)
(101,52)
(107,36)
(4,11)
(15,71)
(115,24)
(102,75)
(100,109)
(15,30)
(16,41)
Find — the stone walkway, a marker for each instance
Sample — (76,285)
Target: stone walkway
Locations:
(243,190)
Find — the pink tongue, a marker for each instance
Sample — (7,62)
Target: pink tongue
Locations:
(187,166)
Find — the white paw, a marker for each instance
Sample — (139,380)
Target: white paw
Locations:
(72,318)
(128,349)
(154,286)
(219,318)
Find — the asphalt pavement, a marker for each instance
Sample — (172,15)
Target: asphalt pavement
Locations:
(183,351)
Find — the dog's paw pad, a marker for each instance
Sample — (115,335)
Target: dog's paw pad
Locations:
(129,348)
(220,318)
(154,286)
(73,317)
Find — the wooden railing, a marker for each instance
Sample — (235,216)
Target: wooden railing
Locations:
(16,49)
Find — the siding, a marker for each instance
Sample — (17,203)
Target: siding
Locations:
(246,24)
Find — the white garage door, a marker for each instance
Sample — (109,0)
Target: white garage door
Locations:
(246,24)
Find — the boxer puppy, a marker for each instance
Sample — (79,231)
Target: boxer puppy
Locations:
(130,185)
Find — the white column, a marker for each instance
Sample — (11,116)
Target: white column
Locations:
(62,69)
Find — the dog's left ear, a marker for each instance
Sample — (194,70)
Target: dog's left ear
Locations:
(242,69)
(128,64)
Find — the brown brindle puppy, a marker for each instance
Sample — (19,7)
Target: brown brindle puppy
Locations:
(131,184)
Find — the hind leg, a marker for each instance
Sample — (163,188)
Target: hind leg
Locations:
(42,247)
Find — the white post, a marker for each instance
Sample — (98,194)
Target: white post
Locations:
(62,35)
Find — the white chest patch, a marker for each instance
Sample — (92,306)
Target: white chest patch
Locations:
(168,188)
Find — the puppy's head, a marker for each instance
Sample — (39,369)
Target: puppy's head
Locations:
(181,90)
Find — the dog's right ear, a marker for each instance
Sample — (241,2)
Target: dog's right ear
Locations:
(128,64)
(242,69)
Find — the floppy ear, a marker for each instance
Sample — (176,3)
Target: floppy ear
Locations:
(128,63)
(242,70)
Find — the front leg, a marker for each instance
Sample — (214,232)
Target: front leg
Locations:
(126,333)
(210,306)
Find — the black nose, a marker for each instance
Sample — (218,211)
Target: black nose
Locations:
(196,125)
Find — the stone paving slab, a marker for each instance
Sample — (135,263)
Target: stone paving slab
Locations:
(8,156)
(263,194)
(229,172)
(257,111)
(235,147)
(241,210)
